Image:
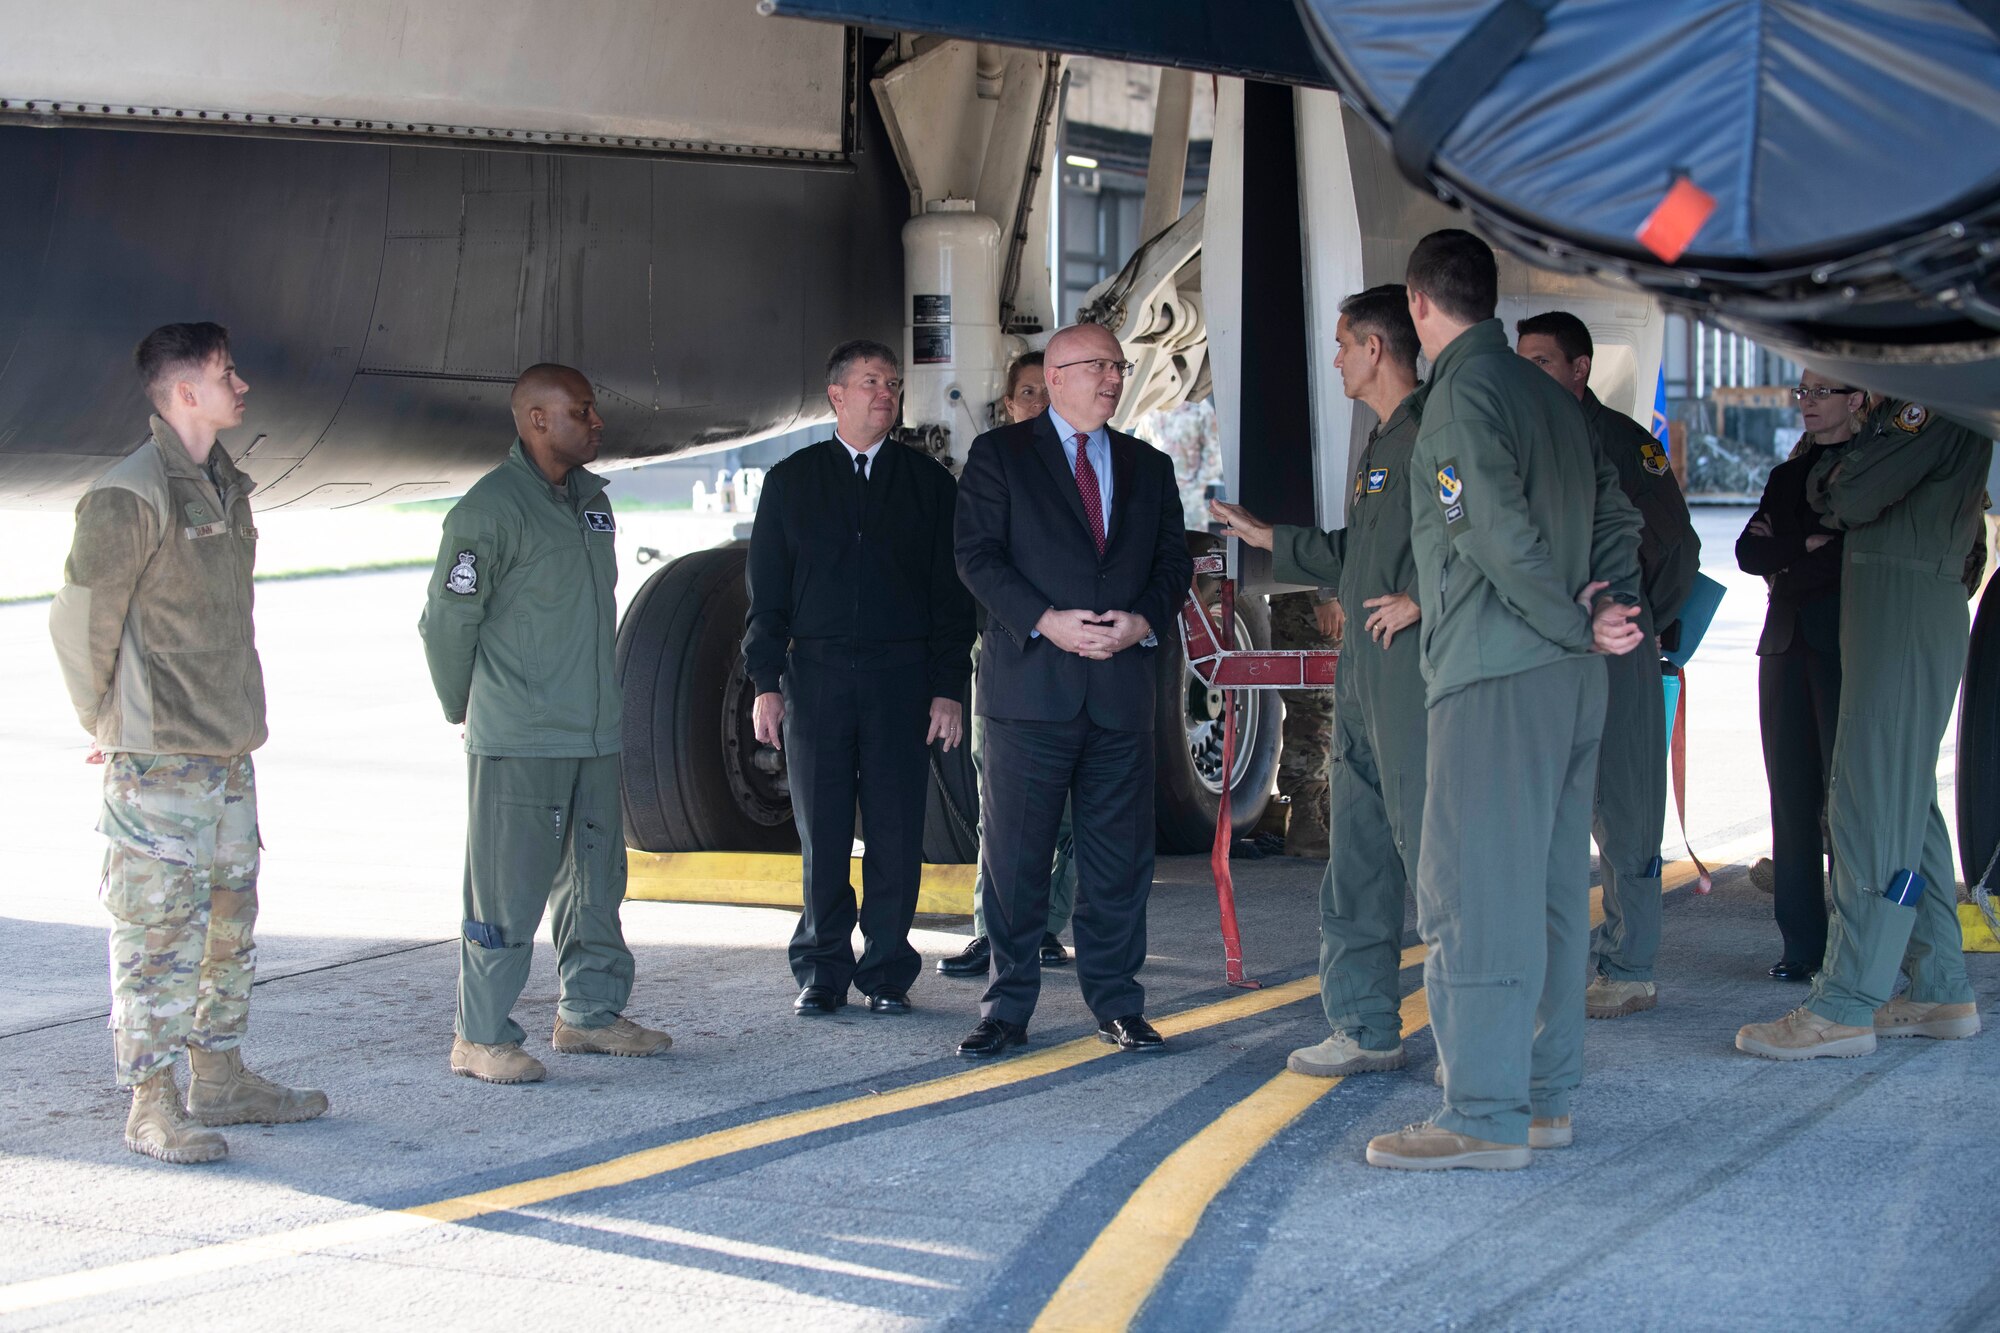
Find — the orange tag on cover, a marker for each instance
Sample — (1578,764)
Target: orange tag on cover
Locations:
(1679,217)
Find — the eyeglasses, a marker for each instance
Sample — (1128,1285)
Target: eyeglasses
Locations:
(1820,394)
(1099,366)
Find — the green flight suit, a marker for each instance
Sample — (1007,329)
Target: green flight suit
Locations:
(1376,782)
(1516,513)
(1631,813)
(518,629)
(1908,493)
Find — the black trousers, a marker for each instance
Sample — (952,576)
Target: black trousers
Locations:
(1798,702)
(1031,769)
(857,733)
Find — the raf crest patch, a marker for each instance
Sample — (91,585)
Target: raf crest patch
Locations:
(597,520)
(1912,418)
(1654,458)
(463,579)
(1377,478)
(1451,491)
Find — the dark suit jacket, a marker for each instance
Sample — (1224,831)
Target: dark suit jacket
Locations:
(1805,585)
(849,586)
(1024,547)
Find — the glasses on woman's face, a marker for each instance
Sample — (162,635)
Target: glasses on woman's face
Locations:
(1820,393)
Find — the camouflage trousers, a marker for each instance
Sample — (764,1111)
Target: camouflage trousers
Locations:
(1308,739)
(180,882)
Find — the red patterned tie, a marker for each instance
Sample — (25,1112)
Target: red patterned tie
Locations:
(1086,485)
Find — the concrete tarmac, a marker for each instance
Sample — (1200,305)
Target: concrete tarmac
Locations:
(851,1172)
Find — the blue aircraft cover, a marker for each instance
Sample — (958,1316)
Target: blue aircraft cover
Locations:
(1819,128)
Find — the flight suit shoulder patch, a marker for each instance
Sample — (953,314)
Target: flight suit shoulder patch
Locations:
(464,576)
(1911,419)
(599,520)
(1451,490)
(1378,478)
(1654,458)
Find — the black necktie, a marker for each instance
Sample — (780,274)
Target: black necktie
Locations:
(861,468)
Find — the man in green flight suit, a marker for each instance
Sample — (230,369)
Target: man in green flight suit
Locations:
(1527,572)
(1377,782)
(519,628)
(1632,763)
(1908,493)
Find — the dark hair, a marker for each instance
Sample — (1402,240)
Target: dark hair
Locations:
(172,351)
(1025,361)
(1457,271)
(842,358)
(1572,335)
(1385,312)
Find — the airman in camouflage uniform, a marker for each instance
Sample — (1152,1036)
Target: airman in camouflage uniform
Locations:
(1308,729)
(153,631)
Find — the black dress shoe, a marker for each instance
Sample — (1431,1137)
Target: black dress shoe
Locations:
(1053,953)
(816,1001)
(889,1000)
(972,962)
(991,1037)
(1133,1033)
(1794,971)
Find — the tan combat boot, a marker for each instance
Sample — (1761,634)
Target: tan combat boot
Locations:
(1605,998)
(158,1126)
(1804,1035)
(1914,1018)
(504,1063)
(1341,1055)
(225,1093)
(1429,1147)
(621,1036)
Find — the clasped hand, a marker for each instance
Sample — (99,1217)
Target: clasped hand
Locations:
(1093,634)
(1614,627)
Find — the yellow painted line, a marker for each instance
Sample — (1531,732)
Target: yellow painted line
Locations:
(757,879)
(371,1228)
(1116,1275)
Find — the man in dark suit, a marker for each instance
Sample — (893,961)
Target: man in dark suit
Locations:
(858,640)
(1070,534)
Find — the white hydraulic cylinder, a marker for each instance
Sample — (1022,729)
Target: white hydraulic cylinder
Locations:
(953,357)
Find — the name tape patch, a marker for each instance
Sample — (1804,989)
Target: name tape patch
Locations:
(207,530)
(598,521)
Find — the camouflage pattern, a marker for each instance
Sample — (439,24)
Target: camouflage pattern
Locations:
(180,882)
(1302,773)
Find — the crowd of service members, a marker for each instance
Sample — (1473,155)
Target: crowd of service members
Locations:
(1515,559)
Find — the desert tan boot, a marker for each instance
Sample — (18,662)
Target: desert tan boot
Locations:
(1605,998)
(505,1063)
(159,1126)
(1550,1131)
(1914,1018)
(1804,1035)
(1340,1055)
(225,1093)
(1428,1147)
(621,1036)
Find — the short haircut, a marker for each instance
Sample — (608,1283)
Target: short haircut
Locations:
(842,358)
(1458,272)
(1385,312)
(177,351)
(1572,335)
(1025,361)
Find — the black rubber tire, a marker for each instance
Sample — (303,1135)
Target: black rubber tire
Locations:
(1979,741)
(680,667)
(1186,806)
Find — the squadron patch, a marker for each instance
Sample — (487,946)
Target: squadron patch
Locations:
(597,520)
(463,579)
(1912,418)
(1377,479)
(1654,458)
(1451,491)
(1358,479)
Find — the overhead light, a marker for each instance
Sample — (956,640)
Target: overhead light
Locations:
(1078,160)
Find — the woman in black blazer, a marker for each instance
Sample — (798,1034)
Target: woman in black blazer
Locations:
(1798,668)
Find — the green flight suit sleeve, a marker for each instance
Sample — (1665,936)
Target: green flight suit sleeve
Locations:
(1669,549)
(1852,487)
(1614,537)
(1488,525)
(474,556)
(1307,555)
(117,534)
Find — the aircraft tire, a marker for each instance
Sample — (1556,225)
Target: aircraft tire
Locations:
(1979,741)
(694,777)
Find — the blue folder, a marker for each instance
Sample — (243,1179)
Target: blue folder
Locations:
(1696,613)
